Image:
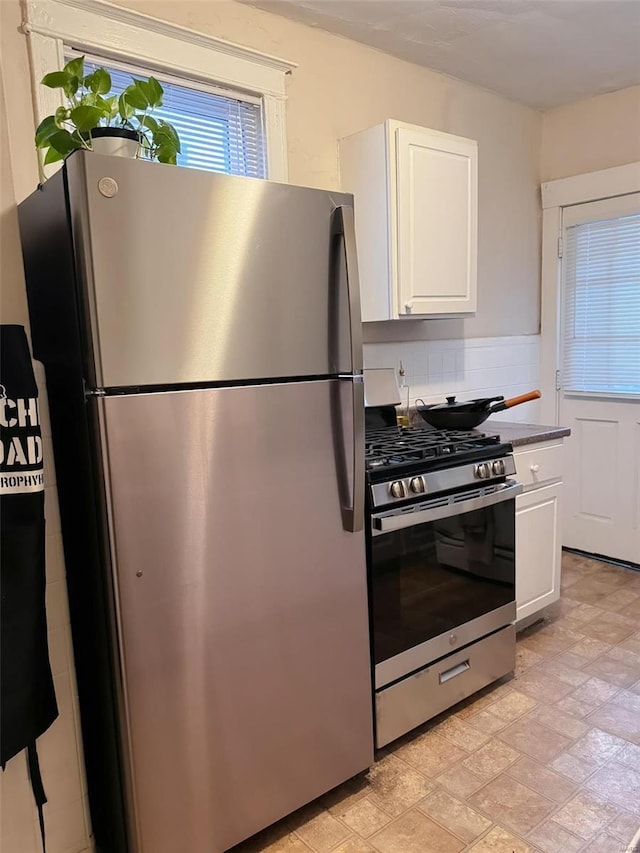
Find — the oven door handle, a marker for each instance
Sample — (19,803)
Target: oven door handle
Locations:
(386,523)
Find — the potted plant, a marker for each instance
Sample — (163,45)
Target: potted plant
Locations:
(96,120)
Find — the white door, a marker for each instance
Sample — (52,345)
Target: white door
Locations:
(600,376)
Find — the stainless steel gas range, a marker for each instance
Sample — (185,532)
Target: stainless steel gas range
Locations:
(441,560)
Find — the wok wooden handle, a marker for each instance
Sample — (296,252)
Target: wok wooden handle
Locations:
(523,398)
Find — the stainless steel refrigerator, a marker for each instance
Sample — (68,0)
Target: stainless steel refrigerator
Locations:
(201,338)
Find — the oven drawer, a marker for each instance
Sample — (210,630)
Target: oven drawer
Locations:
(421,696)
(542,465)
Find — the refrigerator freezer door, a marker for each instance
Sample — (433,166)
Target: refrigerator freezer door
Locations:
(192,277)
(242,606)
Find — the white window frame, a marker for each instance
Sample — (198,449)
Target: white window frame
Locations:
(556,195)
(99,27)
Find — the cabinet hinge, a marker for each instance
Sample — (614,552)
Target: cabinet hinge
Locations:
(559,247)
(558,382)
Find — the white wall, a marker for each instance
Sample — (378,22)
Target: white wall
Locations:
(595,133)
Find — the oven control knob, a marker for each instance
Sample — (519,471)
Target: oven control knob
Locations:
(483,471)
(498,466)
(397,489)
(417,485)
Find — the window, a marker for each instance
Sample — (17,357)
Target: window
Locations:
(601,310)
(218,132)
(175,54)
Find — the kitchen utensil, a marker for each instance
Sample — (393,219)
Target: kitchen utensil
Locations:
(468,414)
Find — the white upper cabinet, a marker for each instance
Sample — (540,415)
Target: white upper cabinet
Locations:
(416,202)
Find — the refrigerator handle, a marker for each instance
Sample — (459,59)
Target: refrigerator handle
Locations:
(343,224)
(353,514)
(344,228)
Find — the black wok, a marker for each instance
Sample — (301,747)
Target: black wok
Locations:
(469,414)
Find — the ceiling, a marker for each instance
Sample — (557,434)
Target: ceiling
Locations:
(542,53)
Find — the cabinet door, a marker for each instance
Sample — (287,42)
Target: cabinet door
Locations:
(538,549)
(437,189)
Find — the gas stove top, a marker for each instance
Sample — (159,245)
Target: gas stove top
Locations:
(409,463)
(392,448)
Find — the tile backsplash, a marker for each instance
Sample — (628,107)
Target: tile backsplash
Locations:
(468,368)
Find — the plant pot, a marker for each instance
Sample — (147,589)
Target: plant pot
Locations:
(115,141)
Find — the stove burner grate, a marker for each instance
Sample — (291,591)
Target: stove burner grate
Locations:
(387,447)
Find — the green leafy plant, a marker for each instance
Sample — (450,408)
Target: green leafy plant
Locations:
(90,105)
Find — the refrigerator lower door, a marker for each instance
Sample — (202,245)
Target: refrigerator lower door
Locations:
(242,607)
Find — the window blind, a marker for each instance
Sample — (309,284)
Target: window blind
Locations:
(601,278)
(217,133)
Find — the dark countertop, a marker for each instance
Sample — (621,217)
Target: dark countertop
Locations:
(519,434)
(515,433)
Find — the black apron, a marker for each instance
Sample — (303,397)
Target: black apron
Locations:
(27,697)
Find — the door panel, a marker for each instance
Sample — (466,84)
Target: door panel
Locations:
(196,277)
(602,506)
(538,549)
(437,222)
(242,608)
(597,441)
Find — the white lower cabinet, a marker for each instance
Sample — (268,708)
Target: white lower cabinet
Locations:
(538,528)
(538,549)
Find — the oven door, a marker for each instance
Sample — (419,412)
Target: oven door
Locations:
(442,576)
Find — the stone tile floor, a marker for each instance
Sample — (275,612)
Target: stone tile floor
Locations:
(547,760)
